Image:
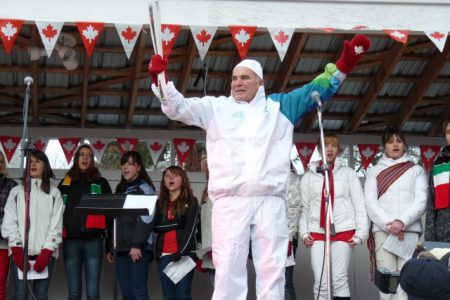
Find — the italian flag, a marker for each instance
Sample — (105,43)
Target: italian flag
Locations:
(441,178)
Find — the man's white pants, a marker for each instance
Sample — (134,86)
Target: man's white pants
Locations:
(236,220)
(341,253)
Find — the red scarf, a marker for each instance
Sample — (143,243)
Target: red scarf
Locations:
(323,205)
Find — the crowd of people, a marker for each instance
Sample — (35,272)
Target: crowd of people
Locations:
(253,203)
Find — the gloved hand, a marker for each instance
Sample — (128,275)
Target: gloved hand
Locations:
(289,252)
(198,265)
(352,53)
(176,256)
(42,260)
(17,254)
(156,66)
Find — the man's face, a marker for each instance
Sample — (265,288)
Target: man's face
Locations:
(244,84)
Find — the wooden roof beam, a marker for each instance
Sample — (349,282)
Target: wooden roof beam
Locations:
(35,76)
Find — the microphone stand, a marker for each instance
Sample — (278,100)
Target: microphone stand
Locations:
(26,184)
(329,227)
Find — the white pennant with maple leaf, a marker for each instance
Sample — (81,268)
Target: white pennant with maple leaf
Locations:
(438,38)
(428,153)
(9,144)
(305,151)
(40,143)
(68,146)
(398,35)
(9,30)
(203,37)
(281,38)
(367,152)
(49,32)
(242,36)
(98,147)
(128,34)
(127,144)
(156,147)
(183,147)
(89,33)
(169,34)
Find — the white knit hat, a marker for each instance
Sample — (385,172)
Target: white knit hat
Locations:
(253,65)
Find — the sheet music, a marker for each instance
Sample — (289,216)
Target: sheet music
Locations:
(178,269)
(32,274)
(141,201)
(404,249)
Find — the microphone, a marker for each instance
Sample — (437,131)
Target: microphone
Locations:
(316,96)
(28,80)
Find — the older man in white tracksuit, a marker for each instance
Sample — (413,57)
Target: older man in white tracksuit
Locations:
(249,137)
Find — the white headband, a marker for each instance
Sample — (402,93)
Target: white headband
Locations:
(253,65)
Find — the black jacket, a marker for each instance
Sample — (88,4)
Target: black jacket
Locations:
(6,184)
(185,226)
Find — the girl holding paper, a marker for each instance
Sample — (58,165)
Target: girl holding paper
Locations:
(396,195)
(176,220)
(134,234)
(45,221)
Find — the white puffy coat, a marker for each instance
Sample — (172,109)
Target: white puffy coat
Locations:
(348,212)
(405,200)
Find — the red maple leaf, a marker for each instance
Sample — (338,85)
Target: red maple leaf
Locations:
(156,146)
(128,34)
(203,37)
(437,35)
(281,37)
(49,32)
(39,144)
(98,145)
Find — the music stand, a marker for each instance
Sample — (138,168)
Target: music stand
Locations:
(108,205)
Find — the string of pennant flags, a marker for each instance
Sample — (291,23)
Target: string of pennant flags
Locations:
(203,36)
(183,147)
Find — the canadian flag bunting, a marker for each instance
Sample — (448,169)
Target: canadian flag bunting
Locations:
(98,147)
(49,32)
(169,34)
(438,38)
(305,151)
(127,144)
(9,144)
(156,147)
(128,34)
(40,143)
(203,37)
(367,152)
(428,153)
(242,36)
(9,30)
(89,32)
(281,38)
(68,146)
(398,35)
(182,147)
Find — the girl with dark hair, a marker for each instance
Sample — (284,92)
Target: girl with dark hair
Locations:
(176,221)
(6,184)
(134,234)
(45,217)
(83,235)
(396,195)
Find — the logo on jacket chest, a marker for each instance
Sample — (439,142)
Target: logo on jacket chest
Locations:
(239,115)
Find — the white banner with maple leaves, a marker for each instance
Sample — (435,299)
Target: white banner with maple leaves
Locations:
(40,143)
(305,151)
(9,30)
(242,36)
(438,38)
(203,37)
(128,34)
(169,34)
(281,38)
(428,154)
(49,32)
(183,147)
(398,35)
(98,147)
(9,145)
(68,146)
(367,152)
(156,147)
(89,33)
(127,144)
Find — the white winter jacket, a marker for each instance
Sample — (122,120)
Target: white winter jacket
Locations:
(349,212)
(46,212)
(405,200)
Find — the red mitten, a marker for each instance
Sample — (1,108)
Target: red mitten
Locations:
(352,53)
(198,265)
(156,66)
(289,252)
(17,254)
(42,260)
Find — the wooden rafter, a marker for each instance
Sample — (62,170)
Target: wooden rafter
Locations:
(85,91)
(35,76)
